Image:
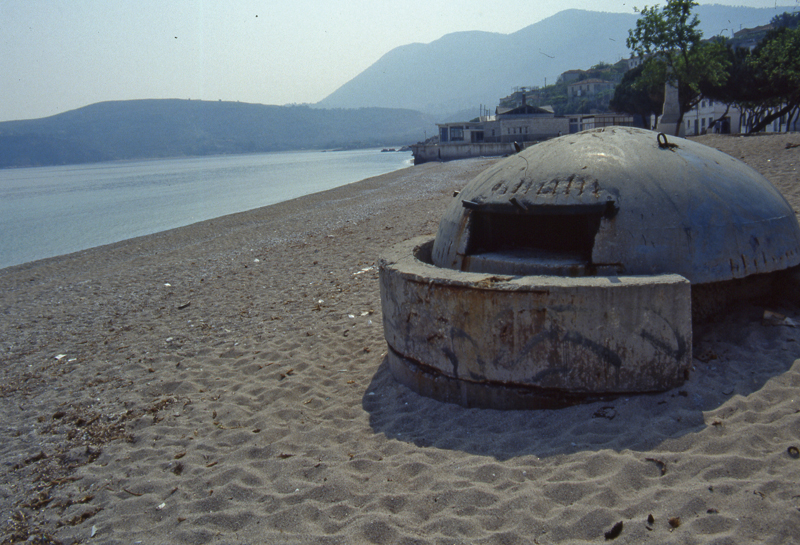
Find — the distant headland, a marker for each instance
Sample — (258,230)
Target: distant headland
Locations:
(143,129)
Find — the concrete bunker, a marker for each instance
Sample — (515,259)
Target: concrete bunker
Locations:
(571,271)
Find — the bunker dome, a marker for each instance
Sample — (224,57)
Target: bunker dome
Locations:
(566,273)
(619,201)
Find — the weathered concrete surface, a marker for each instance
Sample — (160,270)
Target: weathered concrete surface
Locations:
(680,207)
(574,336)
(426,153)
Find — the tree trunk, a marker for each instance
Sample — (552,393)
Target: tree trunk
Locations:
(727,109)
(769,118)
(792,115)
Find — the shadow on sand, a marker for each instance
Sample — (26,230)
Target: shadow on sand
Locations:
(736,360)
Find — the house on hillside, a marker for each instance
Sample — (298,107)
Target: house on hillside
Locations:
(589,87)
(521,96)
(631,63)
(570,75)
(749,38)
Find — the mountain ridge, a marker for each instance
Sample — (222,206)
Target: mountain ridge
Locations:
(394,101)
(465,69)
(155,128)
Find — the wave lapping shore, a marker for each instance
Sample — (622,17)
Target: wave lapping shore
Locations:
(226,383)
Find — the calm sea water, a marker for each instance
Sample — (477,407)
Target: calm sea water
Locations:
(52,211)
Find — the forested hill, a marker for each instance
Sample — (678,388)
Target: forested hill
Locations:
(173,128)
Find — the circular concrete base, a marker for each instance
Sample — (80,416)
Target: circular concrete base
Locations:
(429,383)
(530,341)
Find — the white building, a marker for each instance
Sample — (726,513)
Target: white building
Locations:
(711,116)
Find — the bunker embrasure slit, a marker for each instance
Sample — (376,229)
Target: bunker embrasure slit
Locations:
(533,239)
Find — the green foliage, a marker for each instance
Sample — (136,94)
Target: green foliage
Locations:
(776,62)
(668,33)
(557,96)
(763,83)
(786,20)
(604,71)
(779,58)
(641,100)
(743,84)
(671,41)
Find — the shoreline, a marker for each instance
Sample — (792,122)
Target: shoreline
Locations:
(102,230)
(226,382)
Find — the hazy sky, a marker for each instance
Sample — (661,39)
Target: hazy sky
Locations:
(58,55)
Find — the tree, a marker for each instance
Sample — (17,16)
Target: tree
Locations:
(741,89)
(638,100)
(778,60)
(672,44)
(764,84)
(786,19)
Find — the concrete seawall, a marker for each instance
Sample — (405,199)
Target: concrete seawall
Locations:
(425,153)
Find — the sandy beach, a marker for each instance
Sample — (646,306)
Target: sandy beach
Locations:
(226,382)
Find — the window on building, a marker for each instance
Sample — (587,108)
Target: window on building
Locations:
(703,123)
(456,133)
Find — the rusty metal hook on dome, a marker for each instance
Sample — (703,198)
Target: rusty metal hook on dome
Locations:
(663,143)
